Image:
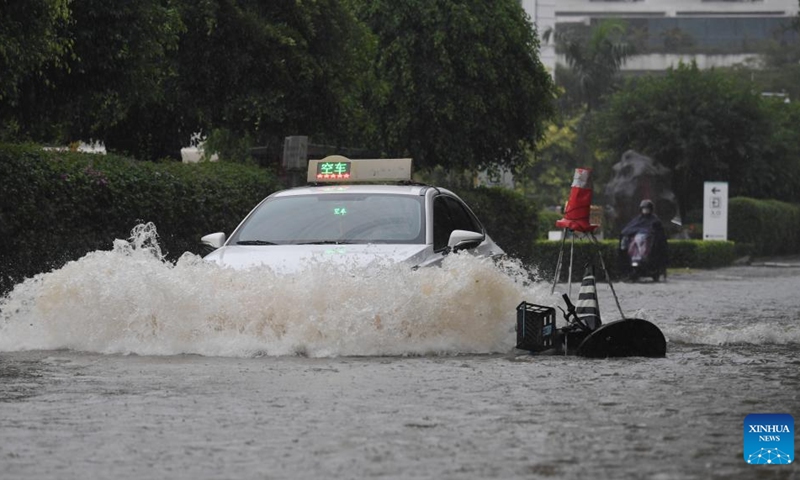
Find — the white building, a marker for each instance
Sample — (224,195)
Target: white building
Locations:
(711,32)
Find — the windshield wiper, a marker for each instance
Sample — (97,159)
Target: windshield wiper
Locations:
(254,242)
(326,242)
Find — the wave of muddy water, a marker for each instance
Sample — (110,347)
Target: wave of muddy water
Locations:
(121,365)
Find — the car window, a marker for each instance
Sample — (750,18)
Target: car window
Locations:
(462,218)
(442,223)
(450,214)
(340,218)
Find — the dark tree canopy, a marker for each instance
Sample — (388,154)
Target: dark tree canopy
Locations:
(119,62)
(461,80)
(594,58)
(33,42)
(143,76)
(451,82)
(272,68)
(32,38)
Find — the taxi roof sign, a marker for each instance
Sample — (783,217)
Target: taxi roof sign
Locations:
(339,169)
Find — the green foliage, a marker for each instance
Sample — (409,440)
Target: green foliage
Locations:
(682,254)
(703,126)
(453,179)
(767,227)
(778,177)
(780,75)
(58,206)
(701,254)
(32,39)
(456,83)
(547,222)
(594,59)
(460,82)
(777,70)
(229,146)
(755,227)
(545,258)
(272,69)
(118,65)
(545,178)
(144,76)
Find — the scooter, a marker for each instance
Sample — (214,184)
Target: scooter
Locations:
(640,256)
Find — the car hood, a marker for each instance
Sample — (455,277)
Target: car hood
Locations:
(292,258)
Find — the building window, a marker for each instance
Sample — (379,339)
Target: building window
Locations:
(693,35)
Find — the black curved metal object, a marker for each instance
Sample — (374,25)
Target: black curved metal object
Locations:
(629,337)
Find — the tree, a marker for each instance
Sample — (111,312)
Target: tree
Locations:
(777,69)
(144,76)
(594,60)
(594,57)
(271,69)
(32,39)
(460,81)
(546,177)
(118,62)
(704,126)
(778,177)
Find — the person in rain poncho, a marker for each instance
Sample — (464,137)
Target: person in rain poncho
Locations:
(644,240)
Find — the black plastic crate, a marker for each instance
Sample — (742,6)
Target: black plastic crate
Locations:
(536,327)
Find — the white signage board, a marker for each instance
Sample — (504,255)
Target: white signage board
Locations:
(715,211)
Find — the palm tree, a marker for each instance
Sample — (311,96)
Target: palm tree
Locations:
(594,61)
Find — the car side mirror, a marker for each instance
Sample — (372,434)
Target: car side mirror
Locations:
(215,240)
(460,239)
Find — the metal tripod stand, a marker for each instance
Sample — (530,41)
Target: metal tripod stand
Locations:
(596,250)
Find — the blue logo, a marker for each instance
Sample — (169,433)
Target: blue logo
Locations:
(769,439)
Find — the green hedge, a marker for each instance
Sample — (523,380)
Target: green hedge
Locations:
(682,254)
(755,227)
(547,222)
(764,227)
(701,254)
(546,252)
(510,219)
(58,206)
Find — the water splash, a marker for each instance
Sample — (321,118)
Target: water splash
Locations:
(131,300)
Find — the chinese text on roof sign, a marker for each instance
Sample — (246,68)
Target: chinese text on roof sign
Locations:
(339,169)
(333,170)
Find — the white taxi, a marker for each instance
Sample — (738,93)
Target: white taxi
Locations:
(353,212)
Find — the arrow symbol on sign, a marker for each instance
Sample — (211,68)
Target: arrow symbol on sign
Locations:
(715,190)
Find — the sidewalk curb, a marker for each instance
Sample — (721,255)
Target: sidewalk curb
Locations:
(775,264)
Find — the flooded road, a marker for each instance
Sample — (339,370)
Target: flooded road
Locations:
(110,386)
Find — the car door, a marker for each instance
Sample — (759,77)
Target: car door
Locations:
(446,213)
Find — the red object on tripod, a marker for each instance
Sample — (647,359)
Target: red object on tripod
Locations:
(578,208)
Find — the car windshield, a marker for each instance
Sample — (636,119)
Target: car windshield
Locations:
(335,218)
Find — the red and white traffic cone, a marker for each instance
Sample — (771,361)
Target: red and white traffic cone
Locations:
(578,208)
